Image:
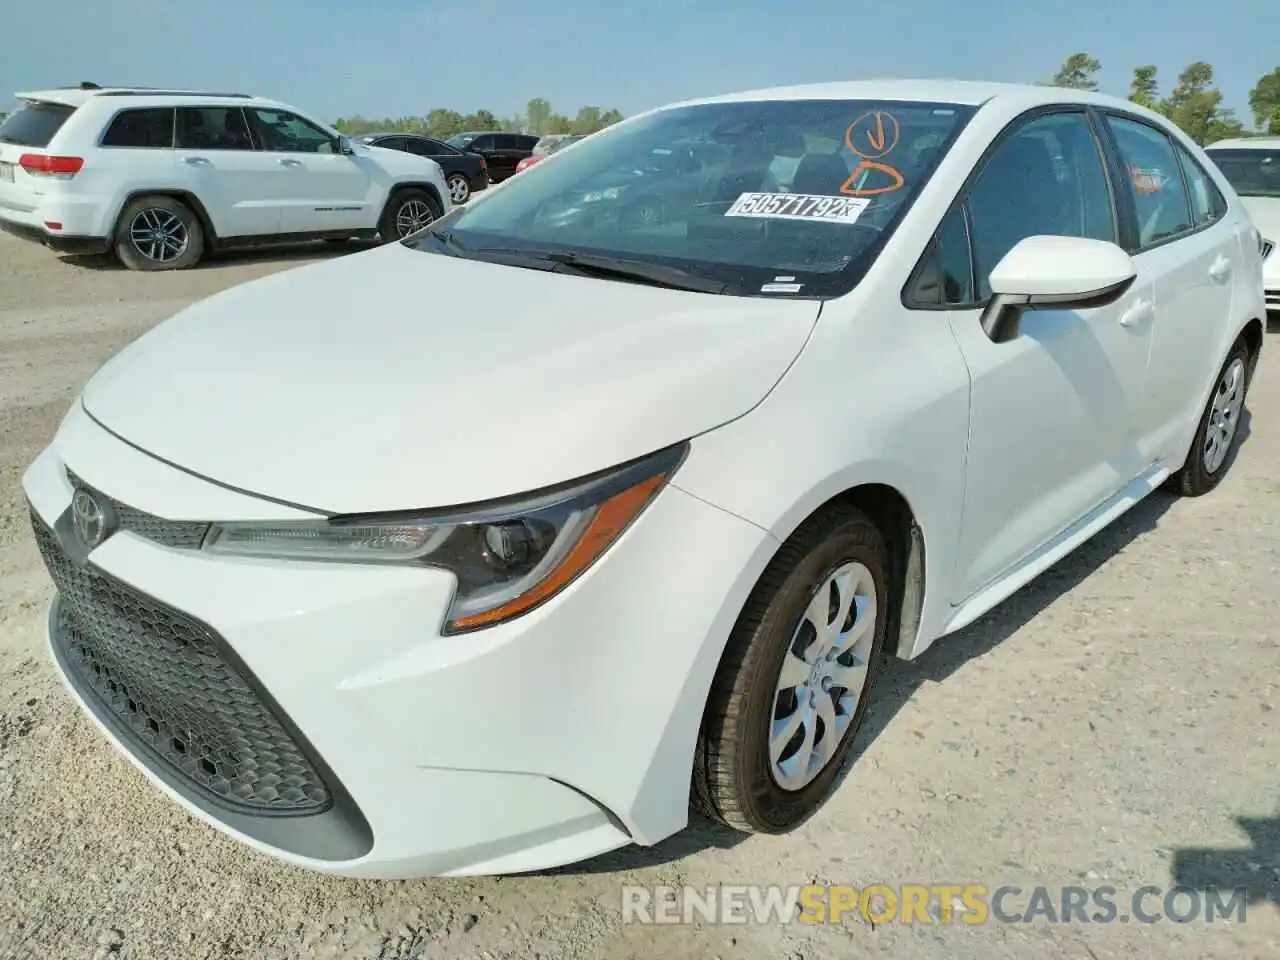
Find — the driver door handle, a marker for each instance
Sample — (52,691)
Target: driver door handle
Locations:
(1137,312)
(1221,268)
(290,162)
(196,161)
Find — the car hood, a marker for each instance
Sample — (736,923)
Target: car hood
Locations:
(397,379)
(1265,214)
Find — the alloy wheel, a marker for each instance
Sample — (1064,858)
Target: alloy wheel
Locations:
(413,216)
(459,189)
(159,235)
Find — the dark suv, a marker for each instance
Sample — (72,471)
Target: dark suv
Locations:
(501,151)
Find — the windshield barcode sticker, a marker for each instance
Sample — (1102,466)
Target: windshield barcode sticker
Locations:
(798,206)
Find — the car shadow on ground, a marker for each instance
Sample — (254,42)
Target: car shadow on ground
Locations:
(900,679)
(1253,866)
(281,253)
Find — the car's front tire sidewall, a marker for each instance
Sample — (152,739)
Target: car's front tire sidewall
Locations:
(734,782)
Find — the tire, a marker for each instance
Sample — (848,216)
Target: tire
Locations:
(399,208)
(459,188)
(158,232)
(735,780)
(1205,467)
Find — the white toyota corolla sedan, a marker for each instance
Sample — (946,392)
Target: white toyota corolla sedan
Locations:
(699,420)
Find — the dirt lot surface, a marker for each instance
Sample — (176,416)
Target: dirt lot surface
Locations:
(1113,723)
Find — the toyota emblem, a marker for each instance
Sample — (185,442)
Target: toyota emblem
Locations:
(88,518)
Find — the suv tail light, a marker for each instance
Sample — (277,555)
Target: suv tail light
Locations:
(41,165)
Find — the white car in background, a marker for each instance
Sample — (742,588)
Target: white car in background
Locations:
(1252,166)
(160,177)
(385,588)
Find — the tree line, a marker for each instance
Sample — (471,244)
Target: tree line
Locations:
(538,119)
(1194,103)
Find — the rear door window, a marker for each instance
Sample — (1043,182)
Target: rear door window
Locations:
(34,124)
(1154,180)
(213,128)
(141,128)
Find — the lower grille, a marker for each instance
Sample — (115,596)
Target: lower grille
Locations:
(172,687)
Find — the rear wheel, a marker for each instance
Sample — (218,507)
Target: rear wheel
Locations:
(459,188)
(158,233)
(407,212)
(1219,430)
(792,688)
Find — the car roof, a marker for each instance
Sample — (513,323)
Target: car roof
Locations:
(964,92)
(394,133)
(76,97)
(1246,143)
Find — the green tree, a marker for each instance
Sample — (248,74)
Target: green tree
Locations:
(587,121)
(610,117)
(1195,105)
(557,124)
(1079,73)
(536,114)
(443,124)
(1264,101)
(1144,90)
(480,120)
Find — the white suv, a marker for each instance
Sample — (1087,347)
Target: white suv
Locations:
(160,177)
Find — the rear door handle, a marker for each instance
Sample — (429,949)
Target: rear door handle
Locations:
(290,162)
(1137,312)
(196,161)
(1221,268)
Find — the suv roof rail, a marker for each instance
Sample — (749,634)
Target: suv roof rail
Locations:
(160,92)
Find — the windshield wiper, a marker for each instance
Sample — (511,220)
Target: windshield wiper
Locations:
(641,271)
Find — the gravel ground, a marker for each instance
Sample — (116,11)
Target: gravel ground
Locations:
(1111,723)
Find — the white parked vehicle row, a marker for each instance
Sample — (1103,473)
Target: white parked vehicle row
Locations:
(388,590)
(159,177)
(1252,167)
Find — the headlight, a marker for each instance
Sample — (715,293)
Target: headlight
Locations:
(508,557)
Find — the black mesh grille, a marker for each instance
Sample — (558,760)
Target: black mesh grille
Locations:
(186,534)
(166,680)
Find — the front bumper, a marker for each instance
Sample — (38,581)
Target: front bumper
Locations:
(543,741)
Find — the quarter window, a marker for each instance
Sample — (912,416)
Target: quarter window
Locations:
(1046,178)
(1207,202)
(140,128)
(945,276)
(1153,180)
(212,128)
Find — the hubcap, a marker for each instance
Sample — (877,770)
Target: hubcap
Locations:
(1224,416)
(459,189)
(159,235)
(823,676)
(412,216)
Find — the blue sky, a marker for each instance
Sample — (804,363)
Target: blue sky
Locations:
(396,57)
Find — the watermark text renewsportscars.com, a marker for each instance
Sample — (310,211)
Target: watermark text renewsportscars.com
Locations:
(929,904)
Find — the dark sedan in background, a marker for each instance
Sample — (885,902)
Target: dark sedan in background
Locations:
(501,151)
(465,172)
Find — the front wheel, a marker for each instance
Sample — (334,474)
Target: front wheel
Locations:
(158,233)
(1219,430)
(407,212)
(792,688)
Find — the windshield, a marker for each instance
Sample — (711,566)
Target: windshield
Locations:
(766,198)
(34,124)
(1251,173)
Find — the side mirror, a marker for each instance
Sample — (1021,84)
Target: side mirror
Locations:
(346,147)
(1054,273)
